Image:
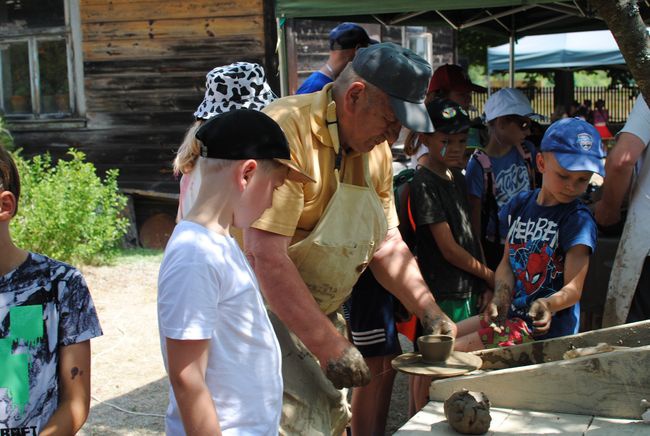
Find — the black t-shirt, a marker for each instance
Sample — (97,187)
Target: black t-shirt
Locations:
(435,200)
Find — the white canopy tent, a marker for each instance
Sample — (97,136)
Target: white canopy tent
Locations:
(563,50)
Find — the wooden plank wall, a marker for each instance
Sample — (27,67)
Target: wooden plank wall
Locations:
(144,64)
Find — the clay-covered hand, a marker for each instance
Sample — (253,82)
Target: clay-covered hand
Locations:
(437,323)
(541,316)
(348,369)
(496,314)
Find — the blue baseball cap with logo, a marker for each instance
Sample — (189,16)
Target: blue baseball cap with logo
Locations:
(576,145)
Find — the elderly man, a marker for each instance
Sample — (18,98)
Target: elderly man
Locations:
(310,247)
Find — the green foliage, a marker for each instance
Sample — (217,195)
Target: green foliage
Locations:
(6,140)
(66,211)
(473,45)
(591,78)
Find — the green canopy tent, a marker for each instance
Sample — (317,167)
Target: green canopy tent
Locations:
(509,18)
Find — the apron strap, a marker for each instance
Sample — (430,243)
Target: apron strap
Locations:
(339,158)
(332,127)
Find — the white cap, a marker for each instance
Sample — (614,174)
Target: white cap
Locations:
(509,101)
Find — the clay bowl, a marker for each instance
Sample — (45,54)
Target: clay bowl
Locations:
(435,348)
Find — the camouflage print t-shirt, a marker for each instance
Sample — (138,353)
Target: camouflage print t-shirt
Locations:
(44,305)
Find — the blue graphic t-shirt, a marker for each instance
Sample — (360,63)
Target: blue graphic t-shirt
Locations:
(539,238)
(510,178)
(315,82)
(44,305)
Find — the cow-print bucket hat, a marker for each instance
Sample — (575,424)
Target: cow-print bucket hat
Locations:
(235,86)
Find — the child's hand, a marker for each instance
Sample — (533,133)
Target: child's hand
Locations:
(484,300)
(541,315)
(494,317)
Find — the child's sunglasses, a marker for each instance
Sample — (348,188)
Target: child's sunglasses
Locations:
(522,122)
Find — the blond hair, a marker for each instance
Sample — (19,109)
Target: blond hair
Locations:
(189,150)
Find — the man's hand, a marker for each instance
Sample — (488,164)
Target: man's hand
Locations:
(437,323)
(348,369)
(541,316)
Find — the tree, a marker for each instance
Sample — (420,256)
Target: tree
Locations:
(624,20)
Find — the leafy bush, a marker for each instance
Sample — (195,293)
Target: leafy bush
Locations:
(6,140)
(66,211)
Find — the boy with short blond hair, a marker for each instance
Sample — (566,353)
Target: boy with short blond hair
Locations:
(47,319)
(219,348)
(550,237)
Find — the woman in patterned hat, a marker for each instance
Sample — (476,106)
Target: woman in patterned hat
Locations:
(235,86)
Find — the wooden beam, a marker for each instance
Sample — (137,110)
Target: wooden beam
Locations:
(627,335)
(609,385)
(128,10)
(239,47)
(186,28)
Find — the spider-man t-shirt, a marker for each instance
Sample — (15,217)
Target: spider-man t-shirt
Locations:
(539,237)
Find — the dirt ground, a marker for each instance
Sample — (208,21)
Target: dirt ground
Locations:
(129,387)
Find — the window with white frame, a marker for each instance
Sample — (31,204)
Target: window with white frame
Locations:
(36,60)
(421,43)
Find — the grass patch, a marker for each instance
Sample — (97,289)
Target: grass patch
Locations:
(135,255)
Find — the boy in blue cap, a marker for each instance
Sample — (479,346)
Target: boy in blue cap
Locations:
(550,236)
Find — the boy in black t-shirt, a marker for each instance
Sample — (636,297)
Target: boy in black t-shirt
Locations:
(448,253)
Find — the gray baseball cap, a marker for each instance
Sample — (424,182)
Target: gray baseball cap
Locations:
(401,74)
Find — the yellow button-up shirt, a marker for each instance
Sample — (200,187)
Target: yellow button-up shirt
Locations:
(297,207)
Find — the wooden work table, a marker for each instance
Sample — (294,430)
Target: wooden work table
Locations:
(431,421)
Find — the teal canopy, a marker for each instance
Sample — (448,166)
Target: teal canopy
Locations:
(558,51)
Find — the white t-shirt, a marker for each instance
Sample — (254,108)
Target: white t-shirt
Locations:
(207,290)
(638,124)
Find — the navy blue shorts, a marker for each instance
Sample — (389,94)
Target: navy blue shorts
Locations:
(370,315)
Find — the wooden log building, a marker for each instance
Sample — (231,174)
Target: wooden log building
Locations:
(120,79)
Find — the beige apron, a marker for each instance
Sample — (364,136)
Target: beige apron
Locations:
(330,260)
(633,248)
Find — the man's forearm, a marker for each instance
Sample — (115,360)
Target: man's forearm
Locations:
(396,269)
(290,299)
(286,292)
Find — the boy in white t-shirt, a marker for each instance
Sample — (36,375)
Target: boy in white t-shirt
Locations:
(218,345)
